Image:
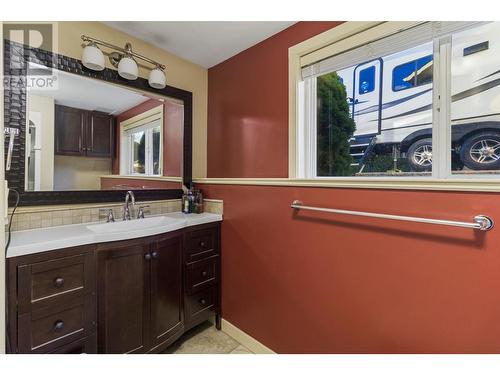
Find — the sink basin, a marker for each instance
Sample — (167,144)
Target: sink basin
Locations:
(133,225)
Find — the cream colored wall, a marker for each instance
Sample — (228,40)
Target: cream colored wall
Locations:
(45,106)
(79,173)
(180,73)
(2,216)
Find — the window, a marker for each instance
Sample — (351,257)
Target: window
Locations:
(371,111)
(366,80)
(144,149)
(474,101)
(412,74)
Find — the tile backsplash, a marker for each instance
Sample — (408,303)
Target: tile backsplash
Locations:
(214,206)
(34,217)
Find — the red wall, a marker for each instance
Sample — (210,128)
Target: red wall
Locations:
(173,127)
(319,283)
(248,107)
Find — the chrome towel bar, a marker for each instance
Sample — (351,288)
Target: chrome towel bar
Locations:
(481,222)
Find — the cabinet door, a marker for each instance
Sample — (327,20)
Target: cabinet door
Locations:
(123,297)
(99,134)
(166,290)
(69,131)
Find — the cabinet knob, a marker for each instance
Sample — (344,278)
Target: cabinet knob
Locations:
(204,273)
(203,301)
(147,256)
(58,325)
(202,244)
(58,282)
(154,254)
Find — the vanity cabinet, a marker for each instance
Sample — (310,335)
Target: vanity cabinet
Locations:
(122,298)
(52,301)
(140,294)
(83,133)
(131,296)
(202,275)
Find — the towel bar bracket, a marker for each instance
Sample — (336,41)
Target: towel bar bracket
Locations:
(481,222)
(485,222)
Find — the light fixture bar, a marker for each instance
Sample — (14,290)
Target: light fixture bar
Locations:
(86,38)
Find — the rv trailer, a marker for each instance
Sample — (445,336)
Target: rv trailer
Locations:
(390,100)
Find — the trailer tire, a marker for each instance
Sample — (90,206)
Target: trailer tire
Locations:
(419,155)
(481,151)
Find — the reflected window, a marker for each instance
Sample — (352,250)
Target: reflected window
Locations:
(145,149)
(139,152)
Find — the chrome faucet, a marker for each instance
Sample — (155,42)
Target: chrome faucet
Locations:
(126,208)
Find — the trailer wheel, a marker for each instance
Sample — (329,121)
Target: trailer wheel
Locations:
(419,155)
(481,151)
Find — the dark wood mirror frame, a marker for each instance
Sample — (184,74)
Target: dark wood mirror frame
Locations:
(15,117)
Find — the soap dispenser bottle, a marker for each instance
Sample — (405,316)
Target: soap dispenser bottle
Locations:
(185,200)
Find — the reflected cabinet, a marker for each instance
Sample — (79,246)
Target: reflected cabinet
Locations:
(83,133)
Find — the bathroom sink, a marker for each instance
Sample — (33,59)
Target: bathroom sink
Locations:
(134,225)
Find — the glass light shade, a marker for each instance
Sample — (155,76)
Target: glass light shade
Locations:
(93,58)
(127,68)
(157,79)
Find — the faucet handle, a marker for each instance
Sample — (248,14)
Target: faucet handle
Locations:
(108,213)
(140,212)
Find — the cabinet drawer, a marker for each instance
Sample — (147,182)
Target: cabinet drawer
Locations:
(201,302)
(47,329)
(53,281)
(201,274)
(87,345)
(201,244)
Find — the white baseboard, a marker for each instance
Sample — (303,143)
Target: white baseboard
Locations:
(245,339)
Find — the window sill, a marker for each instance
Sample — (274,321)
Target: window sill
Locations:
(396,183)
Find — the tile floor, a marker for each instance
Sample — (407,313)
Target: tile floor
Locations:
(205,339)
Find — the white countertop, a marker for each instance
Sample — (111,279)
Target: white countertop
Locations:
(38,240)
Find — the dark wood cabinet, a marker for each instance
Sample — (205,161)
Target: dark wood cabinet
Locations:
(99,136)
(132,296)
(123,284)
(83,133)
(202,289)
(166,319)
(69,131)
(52,301)
(140,294)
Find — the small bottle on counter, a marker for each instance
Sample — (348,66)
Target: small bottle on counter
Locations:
(191,198)
(192,201)
(199,202)
(185,202)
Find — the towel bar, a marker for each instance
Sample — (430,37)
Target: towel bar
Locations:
(481,222)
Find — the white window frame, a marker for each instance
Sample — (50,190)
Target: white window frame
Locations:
(145,121)
(302,145)
(148,149)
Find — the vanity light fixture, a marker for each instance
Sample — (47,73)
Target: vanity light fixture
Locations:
(124,59)
(92,57)
(157,79)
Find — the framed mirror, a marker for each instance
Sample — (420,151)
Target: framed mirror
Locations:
(81,136)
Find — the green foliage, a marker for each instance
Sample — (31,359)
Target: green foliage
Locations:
(335,127)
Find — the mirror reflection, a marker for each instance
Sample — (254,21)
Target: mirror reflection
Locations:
(88,134)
